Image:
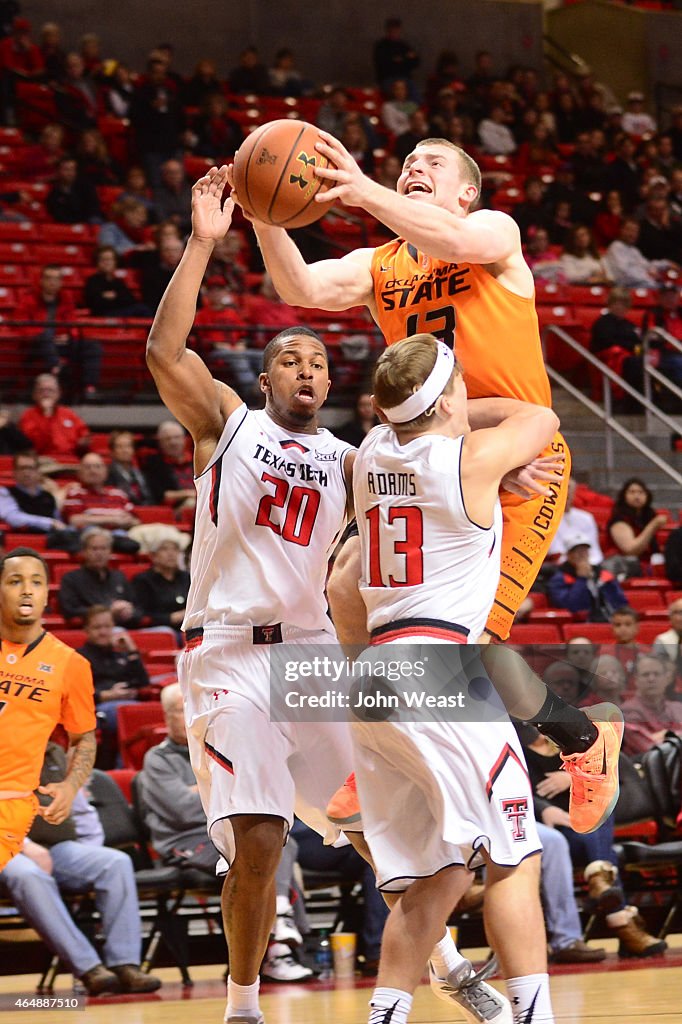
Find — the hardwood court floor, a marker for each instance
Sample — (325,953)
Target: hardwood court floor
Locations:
(616,995)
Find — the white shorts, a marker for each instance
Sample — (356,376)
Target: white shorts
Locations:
(243,762)
(433,794)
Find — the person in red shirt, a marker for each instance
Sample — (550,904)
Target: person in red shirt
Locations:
(227,348)
(20,59)
(53,429)
(92,502)
(266,309)
(58,347)
(649,714)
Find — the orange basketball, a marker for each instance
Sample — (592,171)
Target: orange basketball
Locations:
(274,174)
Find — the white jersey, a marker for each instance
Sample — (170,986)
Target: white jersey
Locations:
(271,506)
(421,555)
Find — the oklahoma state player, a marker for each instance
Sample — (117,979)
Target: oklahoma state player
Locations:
(42,683)
(459,275)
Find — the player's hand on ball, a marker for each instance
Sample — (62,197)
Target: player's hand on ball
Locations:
(211,216)
(347,182)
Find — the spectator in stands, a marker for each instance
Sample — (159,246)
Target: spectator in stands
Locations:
(625,648)
(43,159)
(358,142)
(660,236)
(137,187)
(581,262)
(624,172)
(615,340)
(446,75)
(669,642)
(71,857)
(609,680)
(78,97)
(124,472)
(161,592)
(105,293)
(566,115)
(390,171)
(419,130)
(250,75)
(27,506)
(171,472)
(538,154)
(634,521)
(483,75)
(331,117)
(560,228)
(95,162)
(531,212)
(120,90)
(72,200)
(157,118)
(117,669)
(445,107)
(607,223)
(227,347)
(626,265)
(156,273)
(393,56)
(636,121)
(92,502)
(589,167)
(125,232)
(364,418)
(217,134)
(576,521)
(95,583)
(20,60)
(54,430)
(90,49)
(592,850)
(284,77)
(173,195)
(203,83)
(579,586)
(396,111)
(12,440)
(582,209)
(580,653)
(564,680)
(267,309)
(495,135)
(648,715)
(542,257)
(52,51)
(177,823)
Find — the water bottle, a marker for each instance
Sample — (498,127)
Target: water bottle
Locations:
(324,964)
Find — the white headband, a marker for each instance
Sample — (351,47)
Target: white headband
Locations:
(421,400)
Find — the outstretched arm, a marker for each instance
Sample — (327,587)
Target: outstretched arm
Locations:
(485,236)
(329,284)
(186,387)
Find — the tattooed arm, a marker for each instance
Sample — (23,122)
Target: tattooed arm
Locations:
(81,762)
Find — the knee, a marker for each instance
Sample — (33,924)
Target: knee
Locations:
(258,850)
(27,882)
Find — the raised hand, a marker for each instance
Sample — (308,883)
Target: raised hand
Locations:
(211,216)
(531,480)
(348,184)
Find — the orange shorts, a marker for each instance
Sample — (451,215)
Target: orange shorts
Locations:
(16,818)
(527,532)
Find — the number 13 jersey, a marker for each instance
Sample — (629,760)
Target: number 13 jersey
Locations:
(271,506)
(493,331)
(421,555)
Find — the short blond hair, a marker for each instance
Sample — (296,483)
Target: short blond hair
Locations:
(469,169)
(402,369)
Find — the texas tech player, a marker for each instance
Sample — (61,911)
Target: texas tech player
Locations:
(272,496)
(436,793)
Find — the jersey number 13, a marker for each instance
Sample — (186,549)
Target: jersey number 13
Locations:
(405,527)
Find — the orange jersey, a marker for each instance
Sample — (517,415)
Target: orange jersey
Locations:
(494,333)
(41,685)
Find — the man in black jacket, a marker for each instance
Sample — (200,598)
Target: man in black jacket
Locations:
(96,583)
(161,592)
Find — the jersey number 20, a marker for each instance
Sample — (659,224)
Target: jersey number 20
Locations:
(301,504)
(407,551)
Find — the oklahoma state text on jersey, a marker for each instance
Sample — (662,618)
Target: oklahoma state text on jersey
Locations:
(41,685)
(494,332)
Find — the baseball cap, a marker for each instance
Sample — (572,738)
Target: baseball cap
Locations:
(636,96)
(577,540)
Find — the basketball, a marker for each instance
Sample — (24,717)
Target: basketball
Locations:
(274,174)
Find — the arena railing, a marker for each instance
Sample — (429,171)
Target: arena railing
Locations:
(651,371)
(606,414)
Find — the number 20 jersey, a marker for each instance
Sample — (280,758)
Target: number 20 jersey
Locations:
(421,555)
(494,332)
(271,506)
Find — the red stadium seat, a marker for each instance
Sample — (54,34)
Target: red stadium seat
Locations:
(644,599)
(123,777)
(597,632)
(527,633)
(155,514)
(72,637)
(140,726)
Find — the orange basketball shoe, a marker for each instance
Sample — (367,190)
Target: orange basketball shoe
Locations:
(594,773)
(344,807)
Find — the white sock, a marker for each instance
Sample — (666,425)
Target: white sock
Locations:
(389,1004)
(445,956)
(530,999)
(242,998)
